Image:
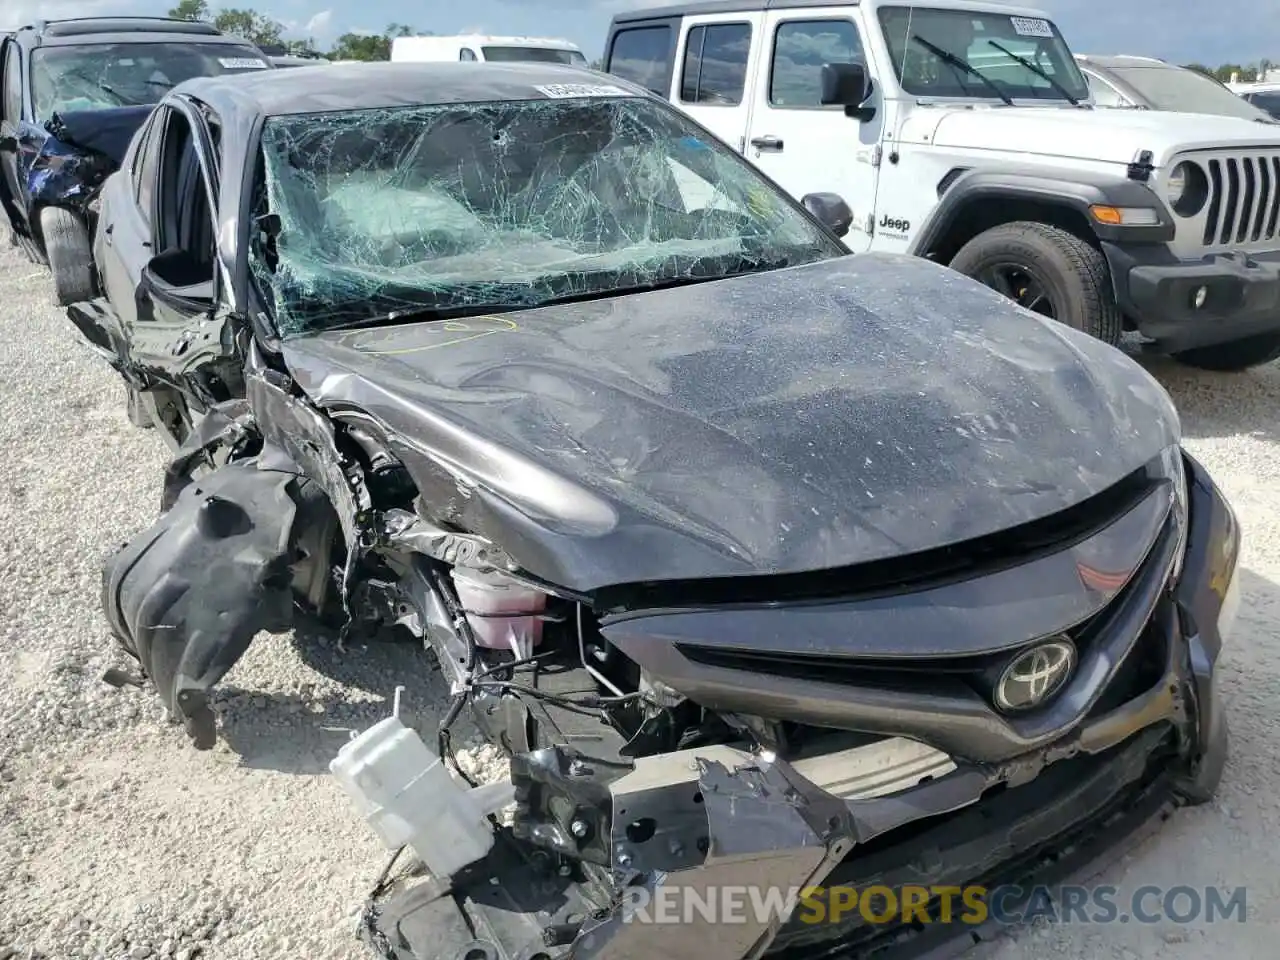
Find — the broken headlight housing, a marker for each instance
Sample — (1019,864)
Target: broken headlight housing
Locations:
(1174,467)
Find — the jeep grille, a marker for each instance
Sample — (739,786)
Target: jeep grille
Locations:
(1243,208)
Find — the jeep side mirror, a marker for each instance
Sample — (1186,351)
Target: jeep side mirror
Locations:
(847,85)
(831,209)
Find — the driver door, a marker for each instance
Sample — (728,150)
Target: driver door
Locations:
(175,290)
(12,196)
(803,146)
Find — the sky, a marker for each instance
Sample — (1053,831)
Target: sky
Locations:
(1239,31)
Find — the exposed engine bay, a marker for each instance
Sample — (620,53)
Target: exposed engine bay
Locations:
(620,786)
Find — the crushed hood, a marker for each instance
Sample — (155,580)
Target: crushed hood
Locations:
(107,131)
(820,416)
(1110,136)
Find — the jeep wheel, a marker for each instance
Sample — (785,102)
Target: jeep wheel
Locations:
(1234,356)
(66,241)
(1048,271)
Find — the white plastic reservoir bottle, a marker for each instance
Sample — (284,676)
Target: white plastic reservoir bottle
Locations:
(408,796)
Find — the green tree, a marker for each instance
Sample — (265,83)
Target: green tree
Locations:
(190,10)
(358,46)
(253,26)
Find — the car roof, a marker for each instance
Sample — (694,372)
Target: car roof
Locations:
(82,30)
(370,86)
(699,7)
(1126,61)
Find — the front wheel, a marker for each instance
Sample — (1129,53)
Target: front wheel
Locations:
(1235,356)
(1048,271)
(66,243)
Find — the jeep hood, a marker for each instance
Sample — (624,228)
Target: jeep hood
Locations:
(1110,136)
(814,417)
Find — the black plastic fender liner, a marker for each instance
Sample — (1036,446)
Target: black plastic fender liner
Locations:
(186,596)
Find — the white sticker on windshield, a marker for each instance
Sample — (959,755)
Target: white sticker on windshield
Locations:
(242,63)
(565,91)
(1031,27)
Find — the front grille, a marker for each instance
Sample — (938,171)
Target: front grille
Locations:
(1242,211)
(1244,199)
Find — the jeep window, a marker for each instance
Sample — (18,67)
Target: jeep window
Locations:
(969,35)
(12,83)
(467,55)
(1186,91)
(94,76)
(800,49)
(715,64)
(641,56)
(533,55)
(451,210)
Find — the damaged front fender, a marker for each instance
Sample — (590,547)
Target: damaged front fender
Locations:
(186,596)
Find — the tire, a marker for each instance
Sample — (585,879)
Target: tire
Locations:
(1235,356)
(1047,270)
(66,243)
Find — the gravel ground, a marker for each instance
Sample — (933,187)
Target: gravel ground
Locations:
(119,841)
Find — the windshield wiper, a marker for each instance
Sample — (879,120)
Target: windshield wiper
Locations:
(1034,68)
(162,84)
(946,56)
(105,87)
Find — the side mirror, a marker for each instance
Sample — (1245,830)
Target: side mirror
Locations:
(831,209)
(847,85)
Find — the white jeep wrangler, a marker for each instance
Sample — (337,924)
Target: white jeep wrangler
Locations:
(962,131)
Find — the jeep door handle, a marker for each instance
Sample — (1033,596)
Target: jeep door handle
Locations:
(769,142)
(106,233)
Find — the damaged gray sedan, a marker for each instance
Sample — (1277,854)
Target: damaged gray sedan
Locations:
(770,567)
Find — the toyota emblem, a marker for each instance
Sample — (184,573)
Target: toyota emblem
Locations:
(1035,676)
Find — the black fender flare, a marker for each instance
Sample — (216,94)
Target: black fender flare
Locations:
(1076,191)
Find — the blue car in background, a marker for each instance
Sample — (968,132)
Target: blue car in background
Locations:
(72,95)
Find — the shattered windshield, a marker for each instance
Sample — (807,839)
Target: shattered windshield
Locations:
(453,209)
(533,55)
(103,75)
(991,43)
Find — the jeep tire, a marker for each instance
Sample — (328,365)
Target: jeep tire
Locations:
(1047,270)
(1235,356)
(66,243)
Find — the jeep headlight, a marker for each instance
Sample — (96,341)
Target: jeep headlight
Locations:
(1177,186)
(1187,189)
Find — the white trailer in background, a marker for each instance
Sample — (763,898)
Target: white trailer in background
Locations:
(476,47)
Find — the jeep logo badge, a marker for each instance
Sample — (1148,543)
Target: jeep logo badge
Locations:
(1035,676)
(895,225)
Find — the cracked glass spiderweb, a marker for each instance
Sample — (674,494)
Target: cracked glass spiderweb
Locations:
(503,205)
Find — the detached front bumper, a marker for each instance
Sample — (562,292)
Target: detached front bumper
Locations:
(756,822)
(1240,298)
